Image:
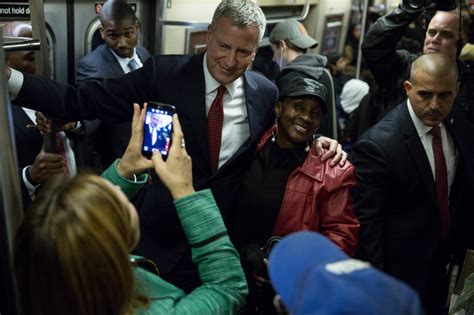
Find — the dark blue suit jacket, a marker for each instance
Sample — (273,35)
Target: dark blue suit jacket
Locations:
(102,64)
(102,143)
(395,198)
(176,80)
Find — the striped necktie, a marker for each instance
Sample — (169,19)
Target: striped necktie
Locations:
(133,65)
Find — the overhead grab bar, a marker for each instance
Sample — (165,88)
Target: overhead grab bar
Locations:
(182,23)
(30,44)
(302,16)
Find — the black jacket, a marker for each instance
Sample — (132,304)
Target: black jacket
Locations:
(390,67)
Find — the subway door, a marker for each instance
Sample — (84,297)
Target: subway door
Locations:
(87,24)
(55,14)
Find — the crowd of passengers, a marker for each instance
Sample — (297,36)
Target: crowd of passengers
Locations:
(252,211)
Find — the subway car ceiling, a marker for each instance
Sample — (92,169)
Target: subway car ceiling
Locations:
(172,26)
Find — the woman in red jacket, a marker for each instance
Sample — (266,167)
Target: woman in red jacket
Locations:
(287,187)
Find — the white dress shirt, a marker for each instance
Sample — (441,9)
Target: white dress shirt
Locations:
(123,62)
(236,129)
(449,148)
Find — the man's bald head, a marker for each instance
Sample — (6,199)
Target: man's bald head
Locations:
(17,29)
(23,61)
(432,87)
(436,65)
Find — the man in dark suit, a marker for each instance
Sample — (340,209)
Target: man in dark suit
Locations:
(35,166)
(406,166)
(202,88)
(103,143)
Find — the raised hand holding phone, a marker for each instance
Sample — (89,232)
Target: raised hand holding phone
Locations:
(133,162)
(176,173)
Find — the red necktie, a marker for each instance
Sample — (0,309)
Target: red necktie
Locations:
(215,121)
(441,180)
(61,150)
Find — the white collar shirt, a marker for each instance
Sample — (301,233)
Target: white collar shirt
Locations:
(123,62)
(236,129)
(449,148)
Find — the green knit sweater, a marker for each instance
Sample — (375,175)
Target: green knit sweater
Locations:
(223,288)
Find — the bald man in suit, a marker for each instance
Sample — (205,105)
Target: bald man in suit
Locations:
(415,180)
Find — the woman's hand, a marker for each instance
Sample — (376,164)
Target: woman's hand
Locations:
(133,162)
(334,150)
(176,173)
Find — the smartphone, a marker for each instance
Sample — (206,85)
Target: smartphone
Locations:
(157,129)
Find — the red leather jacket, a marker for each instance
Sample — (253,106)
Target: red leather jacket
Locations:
(318,198)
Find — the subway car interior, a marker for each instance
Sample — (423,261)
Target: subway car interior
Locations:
(64,31)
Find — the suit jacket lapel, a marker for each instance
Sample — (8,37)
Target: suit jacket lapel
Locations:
(417,151)
(21,119)
(255,118)
(114,65)
(192,90)
(142,53)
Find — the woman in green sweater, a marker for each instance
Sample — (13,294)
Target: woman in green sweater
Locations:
(71,252)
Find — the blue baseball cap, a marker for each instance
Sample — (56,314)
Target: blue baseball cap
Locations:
(313,276)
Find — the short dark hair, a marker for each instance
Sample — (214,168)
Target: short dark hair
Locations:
(117,11)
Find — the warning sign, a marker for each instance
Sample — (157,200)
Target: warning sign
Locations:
(14,10)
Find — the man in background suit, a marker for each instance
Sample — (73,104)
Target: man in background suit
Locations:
(406,166)
(120,54)
(195,85)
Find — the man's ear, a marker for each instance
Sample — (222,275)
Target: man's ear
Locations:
(209,33)
(407,86)
(283,45)
(102,32)
(255,53)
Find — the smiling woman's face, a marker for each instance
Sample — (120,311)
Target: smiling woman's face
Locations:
(298,120)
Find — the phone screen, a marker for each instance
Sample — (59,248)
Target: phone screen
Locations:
(157,128)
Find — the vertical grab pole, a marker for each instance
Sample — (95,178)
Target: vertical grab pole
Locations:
(363,26)
(11,202)
(39,32)
(38,26)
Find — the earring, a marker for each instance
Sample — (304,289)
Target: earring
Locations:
(275,130)
(309,143)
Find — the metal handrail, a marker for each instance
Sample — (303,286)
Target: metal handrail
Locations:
(302,16)
(30,44)
(182,23)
